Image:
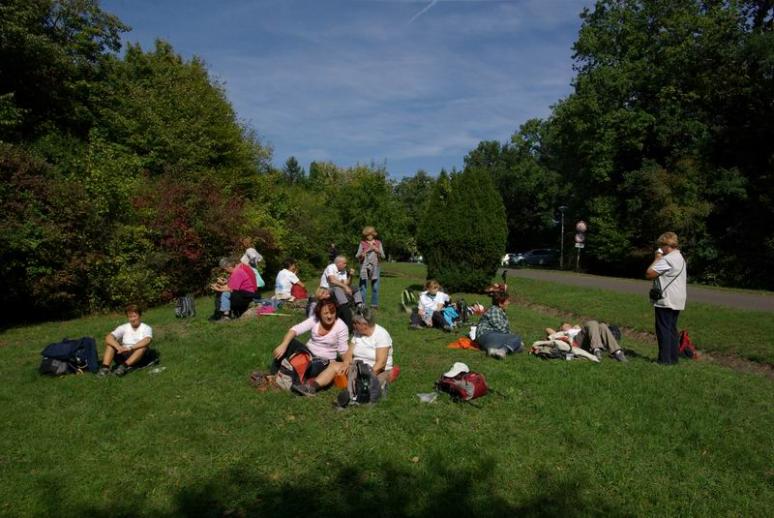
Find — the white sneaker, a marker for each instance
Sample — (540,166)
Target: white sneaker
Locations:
(498,353)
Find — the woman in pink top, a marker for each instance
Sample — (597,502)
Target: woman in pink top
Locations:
(328,342)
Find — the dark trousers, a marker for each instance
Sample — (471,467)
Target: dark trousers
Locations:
(437,319)
(239,302)
(315,369)
(667,335)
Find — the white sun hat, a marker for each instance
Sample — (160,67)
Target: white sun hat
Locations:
(457,369)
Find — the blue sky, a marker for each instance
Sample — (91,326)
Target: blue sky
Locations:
(413,84)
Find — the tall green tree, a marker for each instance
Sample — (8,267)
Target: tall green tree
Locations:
(293,172)
(463,232)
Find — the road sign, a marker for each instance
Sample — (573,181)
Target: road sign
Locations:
(580,237)
(580,245)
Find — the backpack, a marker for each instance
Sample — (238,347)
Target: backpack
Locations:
(185,307)
(687,348)
(292,370)
(463,387)
(408,300)
(69,357)
(363,386)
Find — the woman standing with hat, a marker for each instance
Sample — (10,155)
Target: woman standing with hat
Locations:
(369,254)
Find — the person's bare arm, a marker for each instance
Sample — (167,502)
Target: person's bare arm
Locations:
(279,351)
(650,273)
(381,359)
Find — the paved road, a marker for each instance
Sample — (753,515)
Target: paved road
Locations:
(704,294)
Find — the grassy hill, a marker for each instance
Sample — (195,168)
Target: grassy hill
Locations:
(565,438)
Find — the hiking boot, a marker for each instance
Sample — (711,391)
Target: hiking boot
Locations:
(103,371)
(619,355)
(303,389)
(498,353)
(597,352)
(122,370)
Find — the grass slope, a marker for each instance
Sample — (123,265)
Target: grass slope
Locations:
(567,438)
(747,334)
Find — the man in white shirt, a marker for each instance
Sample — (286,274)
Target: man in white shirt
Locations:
(126,344)
(338,280)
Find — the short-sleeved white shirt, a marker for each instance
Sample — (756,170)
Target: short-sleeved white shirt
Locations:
(429,303)
(366,346)
(331,269)
(672,280)
(127,335)
(285,280)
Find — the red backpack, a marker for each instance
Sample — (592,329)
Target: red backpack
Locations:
(463,387)
(687,348)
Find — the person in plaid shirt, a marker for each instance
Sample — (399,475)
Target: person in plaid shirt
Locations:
(493,333)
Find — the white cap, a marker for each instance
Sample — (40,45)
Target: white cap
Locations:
(457,369)
(252,255)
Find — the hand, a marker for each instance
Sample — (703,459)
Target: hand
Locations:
(348,290)
(341,368)
(279,351)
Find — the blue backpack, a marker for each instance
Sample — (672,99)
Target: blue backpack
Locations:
(69,356)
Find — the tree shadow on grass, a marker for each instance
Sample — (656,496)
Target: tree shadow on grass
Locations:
(438,488)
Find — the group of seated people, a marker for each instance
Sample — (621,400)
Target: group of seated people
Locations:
(332,349)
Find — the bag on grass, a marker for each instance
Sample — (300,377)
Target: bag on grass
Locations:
(464,386)
(185,307)
(293,369)
(363,386)
(69,357)
(687,348)
(298,292)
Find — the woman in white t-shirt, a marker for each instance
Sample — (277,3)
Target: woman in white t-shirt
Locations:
(371,344)
(126,344)
(429,311)
(669,276)
(286,278)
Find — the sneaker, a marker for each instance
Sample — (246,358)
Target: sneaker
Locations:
(619,355)
(498,353)
(597,352)
(414,327)
(122,370)
(103,371)
(303,390)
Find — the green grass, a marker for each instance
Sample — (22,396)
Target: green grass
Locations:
(747,334)
(567,438)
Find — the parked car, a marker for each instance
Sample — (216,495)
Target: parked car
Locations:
(509,259)
(538,257)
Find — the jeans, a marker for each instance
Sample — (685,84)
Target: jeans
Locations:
(667,335)
(225,301)
(495,340)
(374,290)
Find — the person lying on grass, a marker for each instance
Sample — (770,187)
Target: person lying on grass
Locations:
(429,310)
(327,343)
(493,333)
(126,344)
(596,337)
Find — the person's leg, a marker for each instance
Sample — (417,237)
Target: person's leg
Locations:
(363,286)
(344,312)
(294,346)
(240,300)
(674,336)
(135,356)
(108,355)
(375,283)
(608,339)
(415,319)
(663,335)
(593,334)
(513,343)
(492,342)
(225,302)
(438,321)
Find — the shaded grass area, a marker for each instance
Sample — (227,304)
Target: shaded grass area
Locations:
(565,438)
(747,334)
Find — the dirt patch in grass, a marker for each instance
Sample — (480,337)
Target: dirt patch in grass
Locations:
(726,360)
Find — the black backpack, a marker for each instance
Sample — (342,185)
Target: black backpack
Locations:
(363,386)
(185,307)
(69,357)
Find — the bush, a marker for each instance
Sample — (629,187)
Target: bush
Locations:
(463,233)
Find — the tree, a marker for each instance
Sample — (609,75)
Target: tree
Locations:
(463,232)
(293,173)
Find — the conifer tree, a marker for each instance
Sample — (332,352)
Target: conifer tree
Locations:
(463,232)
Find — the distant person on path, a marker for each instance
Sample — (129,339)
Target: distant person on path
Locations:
(369,252)
(493,332)
(126,344)
(669,275)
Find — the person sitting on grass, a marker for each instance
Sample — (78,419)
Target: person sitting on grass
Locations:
(286,278)
(596,337)
(328,342)
(493,333)
(241,287)
(338,279)
(429,310)
(372,345)
(126,344)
